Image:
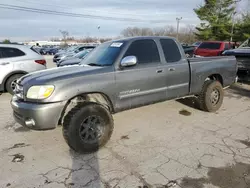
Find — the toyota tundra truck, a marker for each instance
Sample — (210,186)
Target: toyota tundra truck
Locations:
(117,75)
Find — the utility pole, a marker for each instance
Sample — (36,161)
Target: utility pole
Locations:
(178,23)
(233,19)
(99,37)
(232,29)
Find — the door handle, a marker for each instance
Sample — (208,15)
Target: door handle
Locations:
(6,63)
(159,71)
(171,69)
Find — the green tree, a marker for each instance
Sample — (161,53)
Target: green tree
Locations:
(245,26)
(241,28)
(216,19)
(6,41)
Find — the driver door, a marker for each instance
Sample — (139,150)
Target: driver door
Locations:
(143,83)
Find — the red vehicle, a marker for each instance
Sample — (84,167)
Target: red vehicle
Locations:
(212,48)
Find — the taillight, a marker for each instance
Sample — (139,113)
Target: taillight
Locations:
(41,62)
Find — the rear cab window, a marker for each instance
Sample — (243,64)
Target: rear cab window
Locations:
(145,50)
(9,52)
(171,50)
(210,45)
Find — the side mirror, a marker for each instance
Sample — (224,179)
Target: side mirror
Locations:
(129,61)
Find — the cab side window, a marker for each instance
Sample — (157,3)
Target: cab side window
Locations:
(145,50)
(171,51)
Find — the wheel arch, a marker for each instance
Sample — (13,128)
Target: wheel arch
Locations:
(11,74)
(217,77)
(96,97)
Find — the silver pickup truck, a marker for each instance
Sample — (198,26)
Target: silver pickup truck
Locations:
(117,75)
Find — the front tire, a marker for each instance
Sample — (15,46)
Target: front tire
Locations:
(211,96)
(11,83)
(87,127)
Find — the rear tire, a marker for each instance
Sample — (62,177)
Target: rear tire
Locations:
(211,96)
(11,82)
(87,127)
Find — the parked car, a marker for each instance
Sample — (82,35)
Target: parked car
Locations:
(70,53)
(49,51)
(212,48)
(189,50)
(115,76)
(242,54)
(76,59)
(38,49)
(196,44)
(16,61)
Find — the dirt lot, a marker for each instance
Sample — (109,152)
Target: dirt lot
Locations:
(169,144)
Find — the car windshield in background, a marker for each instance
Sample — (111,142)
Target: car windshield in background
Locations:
(104,55)
(196,44)
(210,45)
(34,49)
(71,49)
(80,55)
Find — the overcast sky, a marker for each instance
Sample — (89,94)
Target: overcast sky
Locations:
(20,26)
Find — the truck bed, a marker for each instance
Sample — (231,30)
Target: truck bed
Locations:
(225,67)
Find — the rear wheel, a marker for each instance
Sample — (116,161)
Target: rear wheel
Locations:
(87,127)
(211,96)
(11,83)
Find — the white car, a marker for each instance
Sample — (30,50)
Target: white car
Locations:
(15,61)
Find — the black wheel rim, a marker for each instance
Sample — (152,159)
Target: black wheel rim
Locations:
(215,96)
(91,129)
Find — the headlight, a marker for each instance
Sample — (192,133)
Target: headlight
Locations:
(40,92)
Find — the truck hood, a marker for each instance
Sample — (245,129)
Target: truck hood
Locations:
(50,76)
(238,52)
(70,61)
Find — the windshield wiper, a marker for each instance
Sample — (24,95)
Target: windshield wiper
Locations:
(95,64)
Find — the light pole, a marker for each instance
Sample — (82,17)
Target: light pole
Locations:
(233,19)
(99,37)
(178,23)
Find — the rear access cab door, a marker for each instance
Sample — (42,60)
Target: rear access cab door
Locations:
(176,68)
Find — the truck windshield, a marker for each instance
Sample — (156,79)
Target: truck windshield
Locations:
(103,55)
(210,45)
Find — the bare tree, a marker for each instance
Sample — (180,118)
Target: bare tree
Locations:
(186,34)
(136,31)
(65,35)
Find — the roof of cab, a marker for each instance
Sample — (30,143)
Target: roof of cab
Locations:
(143,37)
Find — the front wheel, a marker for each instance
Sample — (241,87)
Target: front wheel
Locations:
(87,127)
(211,96)
(11,83)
